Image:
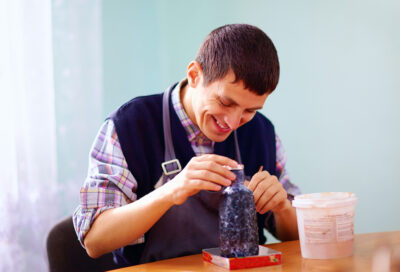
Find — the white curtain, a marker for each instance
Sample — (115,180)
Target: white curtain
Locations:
(27,138)
(50,107)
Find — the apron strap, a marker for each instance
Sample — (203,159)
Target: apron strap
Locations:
(171,165)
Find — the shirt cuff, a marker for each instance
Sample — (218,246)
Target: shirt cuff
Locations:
(84,218)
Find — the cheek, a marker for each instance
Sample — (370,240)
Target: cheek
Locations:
(203,112)
(210,109)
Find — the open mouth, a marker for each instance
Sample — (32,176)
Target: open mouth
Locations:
(222,128)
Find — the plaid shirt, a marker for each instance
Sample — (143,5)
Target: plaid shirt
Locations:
(110,184)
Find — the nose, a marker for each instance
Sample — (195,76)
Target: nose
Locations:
(233,119)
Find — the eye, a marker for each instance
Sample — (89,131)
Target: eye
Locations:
(224,103)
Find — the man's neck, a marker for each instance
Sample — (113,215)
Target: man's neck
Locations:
(186,100)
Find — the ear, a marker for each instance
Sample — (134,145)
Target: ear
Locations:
(194,74)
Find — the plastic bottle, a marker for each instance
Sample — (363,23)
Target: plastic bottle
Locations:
(238,219)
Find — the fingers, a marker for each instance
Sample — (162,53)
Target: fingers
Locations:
(262,194)
(258,178)
(205,185)
(268,192)
(214,168)
(209,169)
(218,159)
(273,203)
(204,174)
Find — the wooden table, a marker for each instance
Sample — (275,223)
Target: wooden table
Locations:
(365,246)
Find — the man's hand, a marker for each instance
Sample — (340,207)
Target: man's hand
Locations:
(204,172)
(268,192)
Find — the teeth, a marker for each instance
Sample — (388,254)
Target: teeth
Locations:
(220,125)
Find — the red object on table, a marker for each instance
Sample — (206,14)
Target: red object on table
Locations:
(265,257)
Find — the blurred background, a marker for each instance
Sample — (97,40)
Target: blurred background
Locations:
(65,65)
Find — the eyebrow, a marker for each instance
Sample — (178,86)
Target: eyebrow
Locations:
(233,102)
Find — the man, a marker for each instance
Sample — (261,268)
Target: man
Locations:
(128,209)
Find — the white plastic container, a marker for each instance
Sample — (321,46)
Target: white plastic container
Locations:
(326,224)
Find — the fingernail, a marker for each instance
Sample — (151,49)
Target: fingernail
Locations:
(228,182)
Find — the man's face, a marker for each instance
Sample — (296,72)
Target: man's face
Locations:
(223,106)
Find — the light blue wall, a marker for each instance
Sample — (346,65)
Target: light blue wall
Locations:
(78,92)
(336,107)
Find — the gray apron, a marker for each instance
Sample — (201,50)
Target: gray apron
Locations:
(187,228)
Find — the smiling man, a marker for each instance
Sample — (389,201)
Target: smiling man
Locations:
(129,206)
(220,107)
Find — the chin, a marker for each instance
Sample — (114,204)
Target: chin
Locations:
(217,138)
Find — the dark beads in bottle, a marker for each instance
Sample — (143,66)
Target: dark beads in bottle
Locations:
(238,220)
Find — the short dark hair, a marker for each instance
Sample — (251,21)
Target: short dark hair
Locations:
(245,49)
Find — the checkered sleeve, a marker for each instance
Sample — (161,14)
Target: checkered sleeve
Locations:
(109,183)
(281,170)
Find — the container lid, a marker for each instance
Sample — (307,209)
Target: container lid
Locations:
(324,200)
(238,167)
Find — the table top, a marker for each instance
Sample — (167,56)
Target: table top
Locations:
(365,248)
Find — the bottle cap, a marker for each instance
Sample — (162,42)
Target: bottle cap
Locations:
(239,167)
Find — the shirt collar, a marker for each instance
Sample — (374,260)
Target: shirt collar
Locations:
(193,132)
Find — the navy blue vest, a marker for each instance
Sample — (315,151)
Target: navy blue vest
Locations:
(140,131)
